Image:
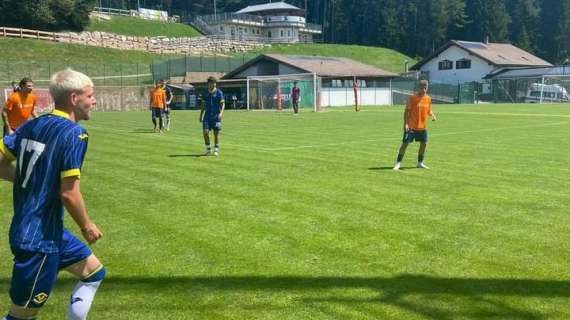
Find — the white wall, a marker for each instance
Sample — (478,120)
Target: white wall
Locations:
(479,67)
(338,97)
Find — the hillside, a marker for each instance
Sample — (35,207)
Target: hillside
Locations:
(131,26)
(383,58)
(23,57)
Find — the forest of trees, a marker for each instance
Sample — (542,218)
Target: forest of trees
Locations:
(414,27)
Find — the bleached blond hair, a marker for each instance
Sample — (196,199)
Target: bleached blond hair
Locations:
(66,81)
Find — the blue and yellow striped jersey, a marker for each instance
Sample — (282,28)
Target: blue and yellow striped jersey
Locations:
(46,150)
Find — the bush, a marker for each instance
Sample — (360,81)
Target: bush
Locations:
(52,15)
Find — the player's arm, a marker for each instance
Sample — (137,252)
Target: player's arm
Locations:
(7,170)
(202,108)
(432,114)
(5,117)
(73,201)
(222,108)
(406,115)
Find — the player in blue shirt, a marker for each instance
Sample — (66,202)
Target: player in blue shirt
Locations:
(49,153)
(211,115)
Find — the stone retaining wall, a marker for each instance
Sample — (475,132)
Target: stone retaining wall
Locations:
(195,45)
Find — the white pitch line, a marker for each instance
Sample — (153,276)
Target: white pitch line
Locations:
(510,114)
(391,138)
(170,137)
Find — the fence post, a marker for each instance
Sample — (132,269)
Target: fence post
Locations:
(215,63)
(201,63)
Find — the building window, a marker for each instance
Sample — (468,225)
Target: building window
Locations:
(245,30)
(288,33)
(222,28)
(463,64)
(445,65)
(282,33)
(337,83)
(269,34)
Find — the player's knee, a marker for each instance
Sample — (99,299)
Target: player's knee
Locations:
(17,313)
(96,276)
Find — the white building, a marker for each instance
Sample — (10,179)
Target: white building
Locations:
(277,22)
(465,61)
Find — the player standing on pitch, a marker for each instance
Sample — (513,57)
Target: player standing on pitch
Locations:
(295,96)
(19,106)
(49,153)
(211,115)
(157,98)
(418,108)
(169,97)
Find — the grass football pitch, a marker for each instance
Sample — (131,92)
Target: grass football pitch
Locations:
(303,218)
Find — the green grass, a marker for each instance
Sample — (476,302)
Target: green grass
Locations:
(38,59)
(383,58)
(303,218)
(142,28)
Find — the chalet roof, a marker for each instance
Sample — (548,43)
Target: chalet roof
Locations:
(322,66)
(511,73)
(268,7)
(497,54)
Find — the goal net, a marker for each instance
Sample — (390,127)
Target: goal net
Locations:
(274,92)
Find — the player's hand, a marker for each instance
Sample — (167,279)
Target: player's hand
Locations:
(433,118)
(91,233)
(10,131)
(406,127)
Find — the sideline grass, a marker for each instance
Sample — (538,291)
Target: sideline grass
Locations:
(302,217)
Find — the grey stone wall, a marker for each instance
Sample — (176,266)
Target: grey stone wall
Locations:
(195,45)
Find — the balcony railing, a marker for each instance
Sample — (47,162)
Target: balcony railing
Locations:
(231,16)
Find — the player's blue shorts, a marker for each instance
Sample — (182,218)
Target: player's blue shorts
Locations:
(34,273)
(415,135)
(212,124)
(157,112)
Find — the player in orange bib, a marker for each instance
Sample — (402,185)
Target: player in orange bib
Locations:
(157,105)
(19,106)
(418,108)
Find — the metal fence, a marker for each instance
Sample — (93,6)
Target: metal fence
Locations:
(113,74)
(178,67)
(545,89)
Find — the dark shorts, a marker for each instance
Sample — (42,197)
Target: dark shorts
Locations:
(415,135)
(212,124)
(34,273)
(157,112)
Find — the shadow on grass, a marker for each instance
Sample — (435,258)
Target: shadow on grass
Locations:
(195,155)
(390,168)
(429,297)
